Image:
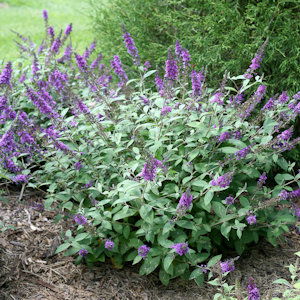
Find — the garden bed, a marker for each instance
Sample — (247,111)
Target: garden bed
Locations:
(30,270)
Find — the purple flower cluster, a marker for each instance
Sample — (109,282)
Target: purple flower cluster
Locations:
(197,79)
(296,210)
(251,219)
(227,266)
(81,62)
(6,74)
(283,97)
(78,165)
(147,65)
(150,167)
(56,45)
(165,110)
(269,105)
(256,61)
(109,245)
(68,29)
(80,219)
(58,80)
(171,67)
(229,200)
(253,292)
(88,185)
(20,178)
(224,136)
(203,268)
(185,200)
(218,98)
(223,181)
(117,67)
(180,248)
(143,251)
(262,179)
(51,32)
(130,45)
(83,252)
(286,134)
(159,84)
(237,135)
(45,15)
(242,153)
(96,62)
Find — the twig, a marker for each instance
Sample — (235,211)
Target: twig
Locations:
(17,243)
(41,282)
(22,191)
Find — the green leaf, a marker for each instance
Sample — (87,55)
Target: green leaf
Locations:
(149,265)
(164,277)
(199,280)
(282,281)
(149,73)
(229,150)
(124,213)
(208,197)
(219,209)
(214,260)
(269,125)
(167,262)
(107,225)
(146,213)
(81,236)
(167,227)
(225,229)
(62,247)
(137,259)
(186,224)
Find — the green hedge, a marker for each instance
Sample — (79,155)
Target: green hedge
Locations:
(217,33)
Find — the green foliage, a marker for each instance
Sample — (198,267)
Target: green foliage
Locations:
(224,35)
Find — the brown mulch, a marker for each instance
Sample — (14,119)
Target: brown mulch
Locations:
(30,270)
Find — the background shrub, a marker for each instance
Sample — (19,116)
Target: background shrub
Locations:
(218,33)
(222,35)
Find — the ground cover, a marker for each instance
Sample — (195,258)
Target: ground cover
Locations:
(24,16)
(30,270)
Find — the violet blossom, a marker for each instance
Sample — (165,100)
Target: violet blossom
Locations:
(143,251)
(180,248)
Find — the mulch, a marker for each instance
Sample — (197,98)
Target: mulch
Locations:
(30,270)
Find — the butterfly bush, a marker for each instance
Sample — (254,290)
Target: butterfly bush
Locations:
(154,166)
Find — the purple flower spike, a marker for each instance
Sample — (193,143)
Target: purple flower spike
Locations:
(224,136)
(171,67)
(83,252)
(180,248)
(45,15)
(262,179)
(80,219)
(252,290)
(223,181)
(185,200)
(130,45)
(229,200)
(109,245)
(227,266)
(51,31)
(143,251)
(251,220)
(68,29)
(81,62)
(283,97)
(5,76)
(165,110)
(78,165)
(150,167)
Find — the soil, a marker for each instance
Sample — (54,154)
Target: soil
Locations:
(30,270)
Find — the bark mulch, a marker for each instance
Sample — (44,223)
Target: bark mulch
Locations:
(30,270)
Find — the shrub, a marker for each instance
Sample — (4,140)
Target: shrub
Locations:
(169,178)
